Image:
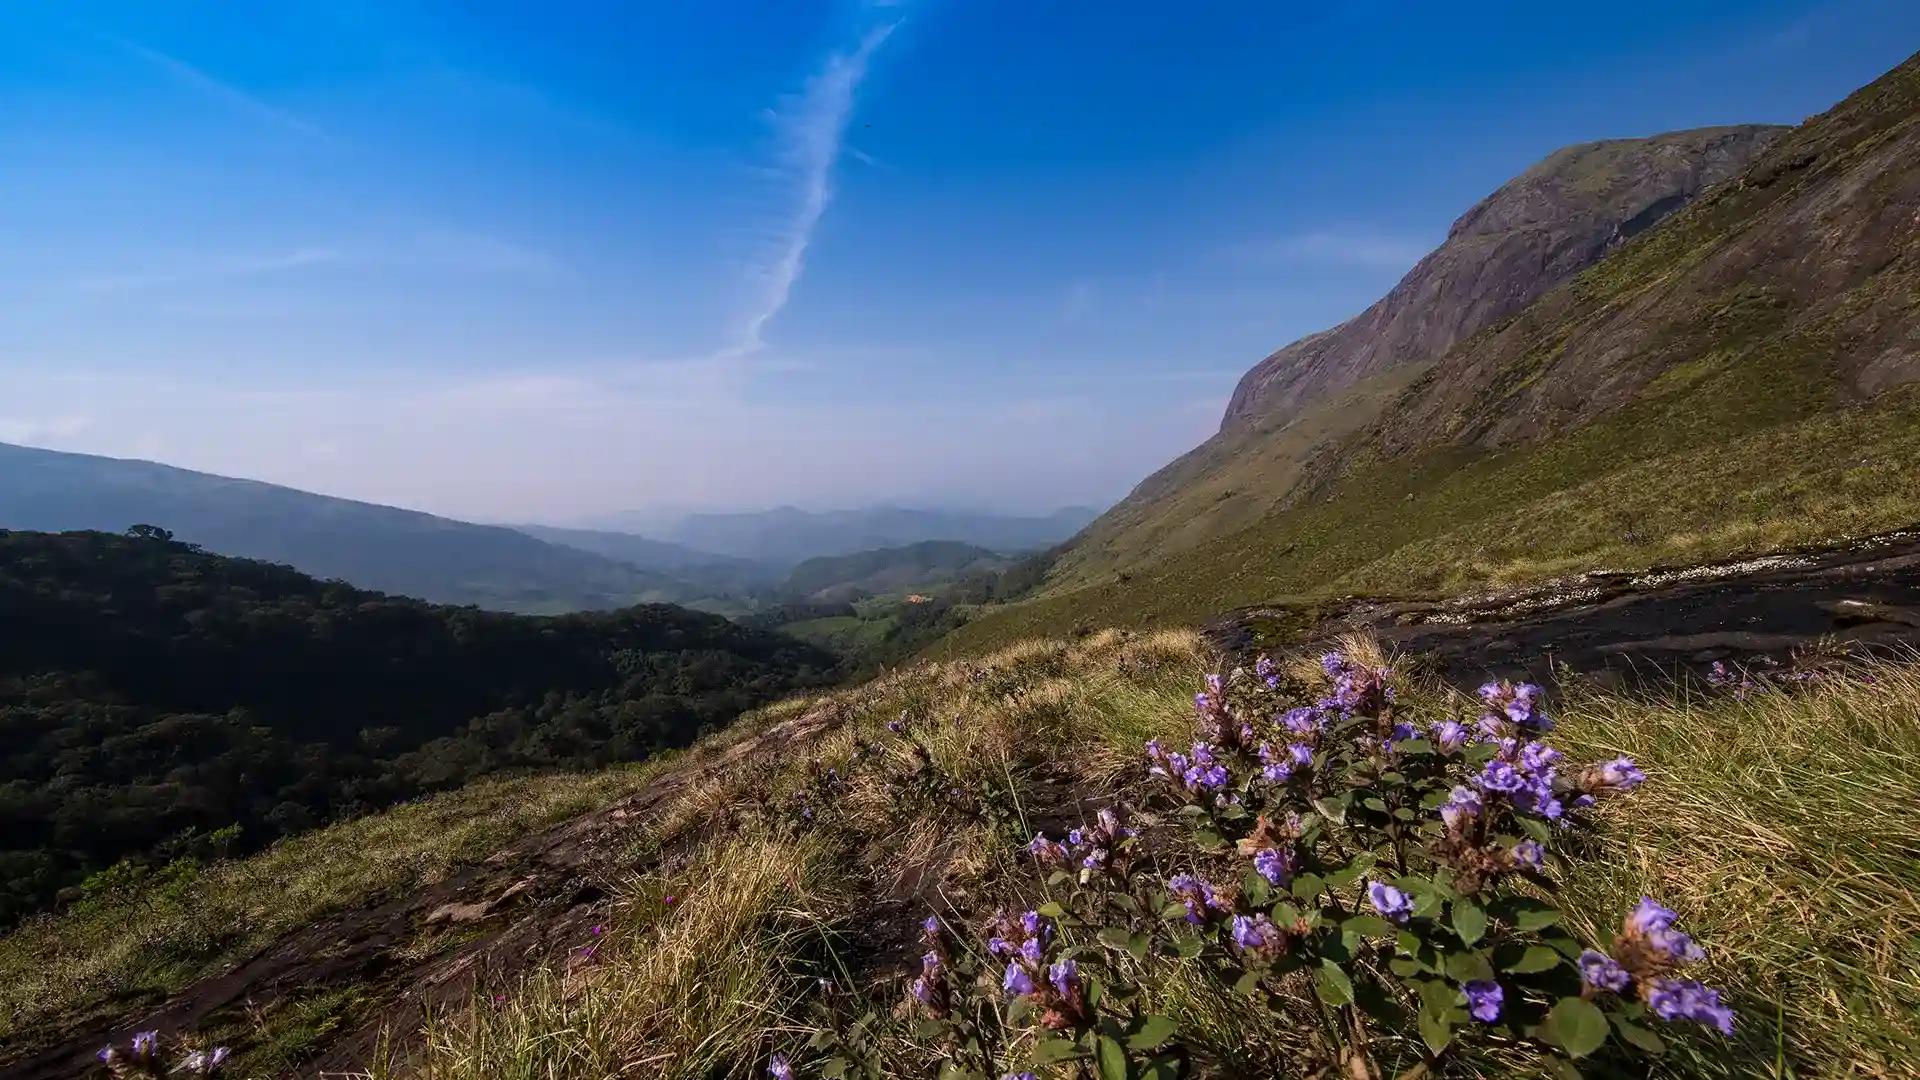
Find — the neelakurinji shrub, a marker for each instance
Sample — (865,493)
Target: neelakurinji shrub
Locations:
(1398,871)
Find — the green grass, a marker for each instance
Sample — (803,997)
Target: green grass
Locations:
(1733,464)
(118,952)
(1784,827)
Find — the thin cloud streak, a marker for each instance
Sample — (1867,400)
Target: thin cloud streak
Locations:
(231,95)
(812,132)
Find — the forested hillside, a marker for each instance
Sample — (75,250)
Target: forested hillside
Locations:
(152,696)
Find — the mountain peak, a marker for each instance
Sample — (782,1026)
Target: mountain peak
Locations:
(1538,229)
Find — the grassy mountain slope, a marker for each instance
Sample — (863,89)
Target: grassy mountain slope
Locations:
(1535,232)
(374,547)
(1731,379)
(1774,823)
(151,695)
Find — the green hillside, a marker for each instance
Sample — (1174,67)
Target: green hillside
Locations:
(1730,380)
(159,702)
(929,562)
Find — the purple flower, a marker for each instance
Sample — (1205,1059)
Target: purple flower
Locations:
(1391,903)
(931,927)
(107,1055)
(1602,972)
(204,1062)
(1449,736)
(1653,924)
(1032,951)
(1274,865)
(1483,1000)
(1300,721)
(1020,1076)
(1207,778)
(1064,976)
(1197,895)
(1461,806)
(1263,667)
(1333,664)
(1501,776)
(779,1069)
(1257,935)
(144,1044)
(1684,999)
(896,726)
(1017,981)
(1620,774)
(1529,854)
(1301,753)
(1036,925)
(1046,852)
(1154,750)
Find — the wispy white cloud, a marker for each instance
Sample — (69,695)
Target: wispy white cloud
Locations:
(429,248)
(240,100)
(1359,248)
(811,127)
(211,268)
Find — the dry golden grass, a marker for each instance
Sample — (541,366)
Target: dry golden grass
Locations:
(696,991)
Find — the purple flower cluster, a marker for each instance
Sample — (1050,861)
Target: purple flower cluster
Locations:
(1645,953)
(1275,864)
(1097,847)
(1055,987)
(1278,766)
(1201,772)
(1526,773)
(779,1068)
(1258,937)
(1267,672)
(1510,705)
(143,1053)
(1356,687)
(930,987)
(1200,899)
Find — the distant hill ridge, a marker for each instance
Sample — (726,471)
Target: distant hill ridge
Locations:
(372,546)
(788,534)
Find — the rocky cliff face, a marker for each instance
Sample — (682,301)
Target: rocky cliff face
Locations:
(1538,230)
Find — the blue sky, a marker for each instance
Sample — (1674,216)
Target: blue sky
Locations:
(562,261)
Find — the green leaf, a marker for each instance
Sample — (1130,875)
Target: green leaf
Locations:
(1332,984)
(1469,921)
(1161,1068)
(1334,809)
(1247,983)
(1468,966)
(1153,1034)
(1207,839)
(1536,919)
(930,1029)
(835,1068)
(1534,959)
(1052,1050)
(1578,1026)
(1308,886)
(1051,910)
(1111,1057)
(1115,936)
(1255,888)
(1640,1037)
(1369,925)
(1436,1029)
